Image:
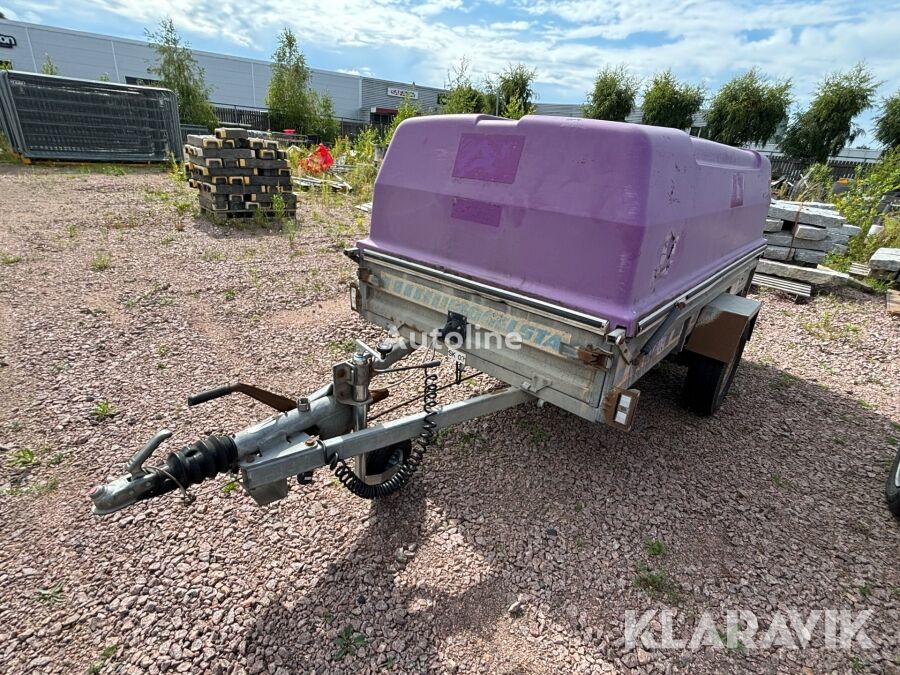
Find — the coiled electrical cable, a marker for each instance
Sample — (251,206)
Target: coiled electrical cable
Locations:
(409,466)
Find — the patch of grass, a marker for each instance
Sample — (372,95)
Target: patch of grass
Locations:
(657,584)
(865,405)
(212,256)
(341,347)
(9,258)
(655,547)
(857,665)
(783,381)
(104,410)
(71,230)
(783,483)
(183,203)
(24,458)
(101,261)
(112,170)
(469,438)
(866,590)
(290,229)
(36,490)
(56,459)
(579,506)
(16,426)
(50,596)
(230,486)
(168,239)
(97,666)
(579,543)
(731,641)
(348,641)
(163,350)
(230,294)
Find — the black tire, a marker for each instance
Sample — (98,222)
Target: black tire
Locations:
(708,381)
(892,487)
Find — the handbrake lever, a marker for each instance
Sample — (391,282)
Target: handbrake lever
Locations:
(271,399)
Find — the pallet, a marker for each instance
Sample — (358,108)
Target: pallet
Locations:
(859,270)
(795,288)
(892,301)
(247,213)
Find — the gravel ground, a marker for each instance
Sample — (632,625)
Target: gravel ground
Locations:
(518,549)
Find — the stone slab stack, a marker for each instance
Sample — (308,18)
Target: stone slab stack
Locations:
(805,233)
(885,264)
(238,176)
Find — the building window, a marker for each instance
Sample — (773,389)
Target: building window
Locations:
(141,81)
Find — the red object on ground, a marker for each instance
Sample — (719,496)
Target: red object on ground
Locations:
(318,161)
(290,131)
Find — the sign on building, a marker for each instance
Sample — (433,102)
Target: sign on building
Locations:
(7,41)
(403,93)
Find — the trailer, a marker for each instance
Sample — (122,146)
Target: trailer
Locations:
(563,257)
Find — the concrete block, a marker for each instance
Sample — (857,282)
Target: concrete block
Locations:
(810,232)
(887,259)
(786,239)
(811,275)
(777,253)
(814,257)
(839,248)
(773,225)
(837,238)
(801,213)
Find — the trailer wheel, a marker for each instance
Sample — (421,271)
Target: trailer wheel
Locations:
(892,487)
(708,381)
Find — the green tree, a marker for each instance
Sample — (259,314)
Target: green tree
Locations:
(178,70)
(48,67)
(291,103)
(514,110)
(613,96)
(887,124)
(326,125)
(670,103)
(104,77)
(462,96)
(748,109)
(516,83)
(408,108)
(824,128)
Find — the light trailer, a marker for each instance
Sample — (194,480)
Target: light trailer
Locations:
(562,257)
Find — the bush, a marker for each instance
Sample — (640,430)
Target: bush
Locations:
(613,95)
(670,103)
(860,203)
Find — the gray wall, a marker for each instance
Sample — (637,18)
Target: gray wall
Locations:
(375,95)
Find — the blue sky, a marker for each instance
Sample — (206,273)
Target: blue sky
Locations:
(565,40)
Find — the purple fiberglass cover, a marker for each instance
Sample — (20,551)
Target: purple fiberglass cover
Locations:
(607,218)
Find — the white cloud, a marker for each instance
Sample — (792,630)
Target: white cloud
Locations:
(567,41)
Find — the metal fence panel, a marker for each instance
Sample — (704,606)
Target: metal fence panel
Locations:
(59,118)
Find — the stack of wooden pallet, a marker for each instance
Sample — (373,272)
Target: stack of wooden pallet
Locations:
(238,176)
(805,233)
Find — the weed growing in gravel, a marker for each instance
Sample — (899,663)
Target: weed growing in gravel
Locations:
(857,665)
(183,203)
(579,506)
(212,256)
(168,239)
(348,641)
(469,438)
(72,230)
(23,458)
(176,169)
(163,350)
(16,426)
(155,194)
(655,547)
(230,294)
(230,486)
(732,641)
(57,459)
(112,170)
(97,666)
(783,483)
(36,490)
(101,261)
(657,584)
(339,348)
(290,229)
(10,259)
(50,596)
(783,381)
(865,405)
(579,543)
(104,410)
(866,590)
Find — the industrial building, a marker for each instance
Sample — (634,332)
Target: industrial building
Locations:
(235,81)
